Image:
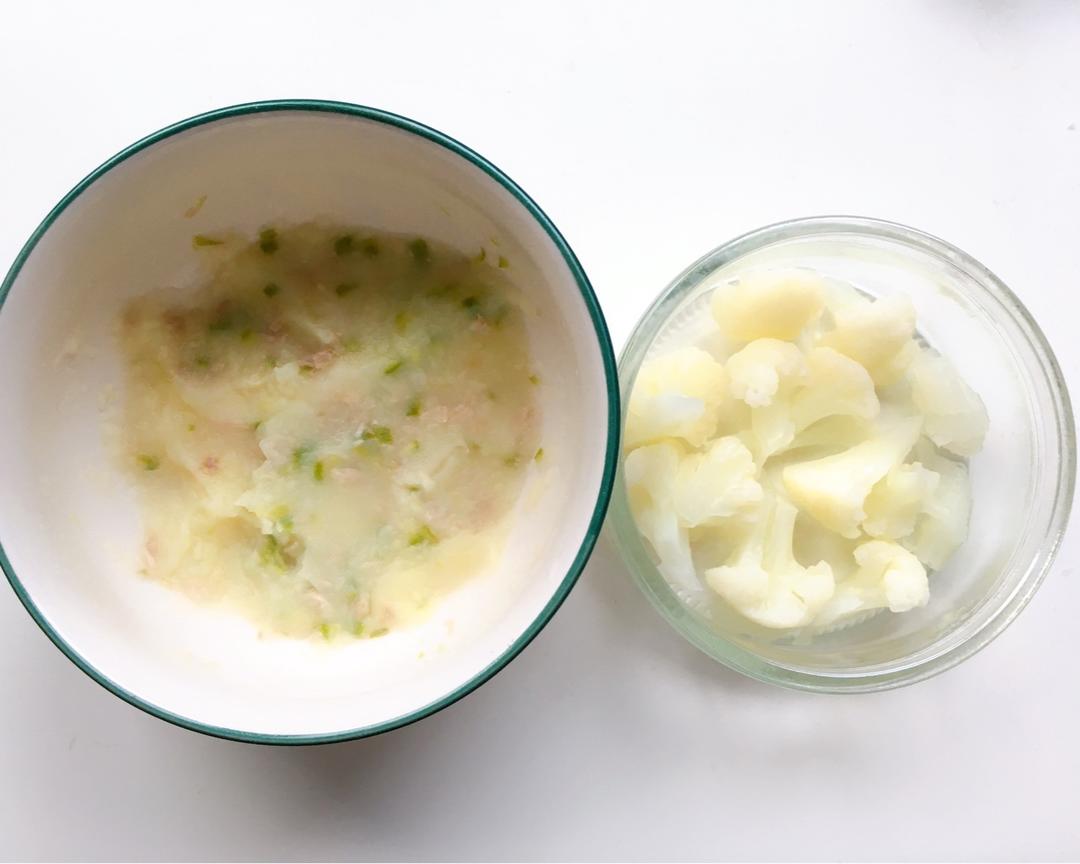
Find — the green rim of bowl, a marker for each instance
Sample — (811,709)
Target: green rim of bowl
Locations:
(613,415)
(639,561)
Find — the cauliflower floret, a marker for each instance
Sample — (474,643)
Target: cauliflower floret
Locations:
(771,429)
(756,372)
(876,335)
(713,543)
(895,502)
(716,483)
(763,376)
(677,395)
(954,414)
(764,582)
(834,489)
(892,372)
(776,304)
(834,385)
(888,576)
(812,545)
(650,480)
(735,416)
(829,436)
(943,525)
(840,297)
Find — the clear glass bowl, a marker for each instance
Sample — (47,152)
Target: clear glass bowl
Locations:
(1022,480)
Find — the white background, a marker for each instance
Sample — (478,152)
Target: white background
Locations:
(649,133)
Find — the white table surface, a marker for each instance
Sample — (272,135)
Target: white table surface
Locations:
(649,133)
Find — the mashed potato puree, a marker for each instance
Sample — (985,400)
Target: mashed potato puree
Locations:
(328,436)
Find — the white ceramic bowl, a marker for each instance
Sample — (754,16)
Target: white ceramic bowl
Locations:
(69,526)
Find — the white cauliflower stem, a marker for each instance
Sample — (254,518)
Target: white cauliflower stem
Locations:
(812,545)
(776,304)
(717,483)
(650,480)
(895,502)
(676,395)
(943,523)
(834,385)
(763,375)
(954,414)
(831,435)
(771,429)
(764,581)
(833,489)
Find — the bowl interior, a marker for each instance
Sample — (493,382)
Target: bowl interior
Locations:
(68,521)
(1021,480)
